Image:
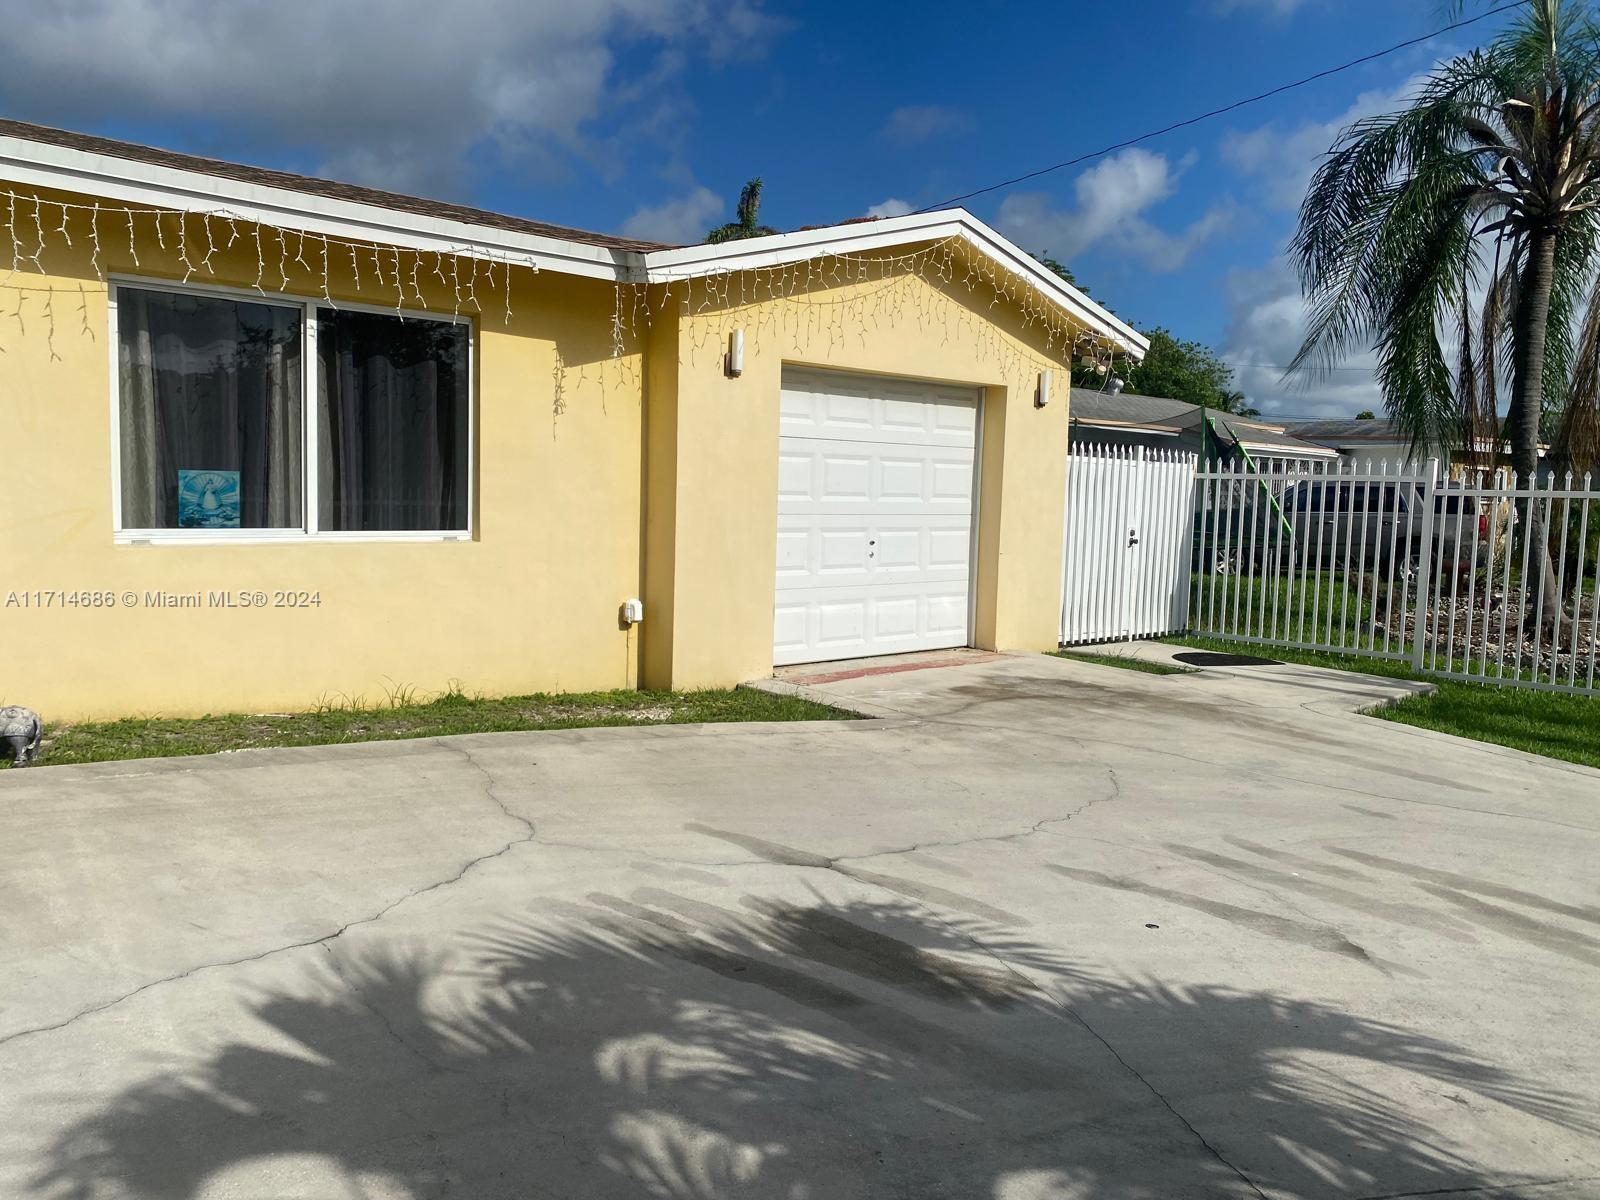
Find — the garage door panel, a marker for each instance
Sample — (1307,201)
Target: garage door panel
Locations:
(841,623)
(816,404)
(794,553)
(950,481)
(845,413)
(795,476)
(905,549)
(845,478)
(790,631)
(875,500)
(903,480)
(956,415)
(906,415)
(830,551)
(948,550)
(892,619)
(895,618)
(816,476)
(842,551)
(947,614)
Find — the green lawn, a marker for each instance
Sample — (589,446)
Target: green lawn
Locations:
(1554,724)
(1330,606)
(157,737)
(1122,660)
(1548,723)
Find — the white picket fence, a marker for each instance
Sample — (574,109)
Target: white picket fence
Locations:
(1349,558)
(1126,570)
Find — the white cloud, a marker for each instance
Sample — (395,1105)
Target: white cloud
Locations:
(682,221)
(912,123)
(399,93)
(1111,200)
(891,207)
(1265,328)
(1282,161)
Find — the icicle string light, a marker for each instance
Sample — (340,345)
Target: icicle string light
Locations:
(300,260)
(841,299)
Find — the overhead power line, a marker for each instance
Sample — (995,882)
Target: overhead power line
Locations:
(1226,108)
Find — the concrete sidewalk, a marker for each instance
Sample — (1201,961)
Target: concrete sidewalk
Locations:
(1046,929)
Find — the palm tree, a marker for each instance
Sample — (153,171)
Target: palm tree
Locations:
(1487,184)
(745,226)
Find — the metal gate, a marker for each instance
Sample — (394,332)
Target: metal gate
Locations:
(1128,538)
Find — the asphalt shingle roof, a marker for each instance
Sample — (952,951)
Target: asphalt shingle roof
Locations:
(1179,416)
(1366,429)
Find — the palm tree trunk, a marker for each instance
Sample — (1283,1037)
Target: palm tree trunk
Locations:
(1527,382)
(1529,327)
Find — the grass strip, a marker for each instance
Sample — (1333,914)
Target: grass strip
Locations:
(1555,724)
(450,713)
(1127,663)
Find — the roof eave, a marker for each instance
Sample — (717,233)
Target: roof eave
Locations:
(145,184)
(1128,426)
(688,262)
(1306,450)
(155,185)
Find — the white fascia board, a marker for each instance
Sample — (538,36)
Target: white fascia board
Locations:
(142,184)
(1127,427)
(688,262)
(1278,450)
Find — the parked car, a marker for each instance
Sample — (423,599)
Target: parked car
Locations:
(1337,523)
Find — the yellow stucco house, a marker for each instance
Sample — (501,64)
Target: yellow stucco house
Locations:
(270,440)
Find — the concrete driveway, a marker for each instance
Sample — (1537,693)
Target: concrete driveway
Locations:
(1047,930)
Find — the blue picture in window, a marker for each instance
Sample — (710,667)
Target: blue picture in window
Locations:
(208,499)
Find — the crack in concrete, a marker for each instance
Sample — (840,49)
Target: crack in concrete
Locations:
(1036,828)
(1056,1003)
(489,793)
(200,968)
(1266,776)
(789,857)
(382,1017)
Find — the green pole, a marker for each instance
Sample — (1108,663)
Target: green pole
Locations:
(1266,491)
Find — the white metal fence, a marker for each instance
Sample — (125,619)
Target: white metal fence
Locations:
(1127,543)
(1476,577)
(1472,578)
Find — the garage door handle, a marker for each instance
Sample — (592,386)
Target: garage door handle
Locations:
(1133,537)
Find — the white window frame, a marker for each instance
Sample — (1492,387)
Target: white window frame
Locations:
(310,420)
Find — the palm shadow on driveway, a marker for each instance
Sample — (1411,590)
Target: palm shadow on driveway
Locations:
(661,1046)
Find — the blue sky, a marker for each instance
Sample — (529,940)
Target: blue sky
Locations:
(647,115)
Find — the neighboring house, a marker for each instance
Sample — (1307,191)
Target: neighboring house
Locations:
(1362,440)
(1378,441)
(1124,419)
(271,439)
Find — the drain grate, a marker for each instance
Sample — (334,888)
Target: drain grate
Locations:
(1206,658)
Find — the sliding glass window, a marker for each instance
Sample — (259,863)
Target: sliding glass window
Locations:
(392,422)
(210,412)
(211,399)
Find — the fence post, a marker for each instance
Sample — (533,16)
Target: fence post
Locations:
(1425,564)
(1066,548)
(1133,521)
(1189,538)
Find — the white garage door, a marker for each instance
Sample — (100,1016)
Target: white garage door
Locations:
(875,489)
